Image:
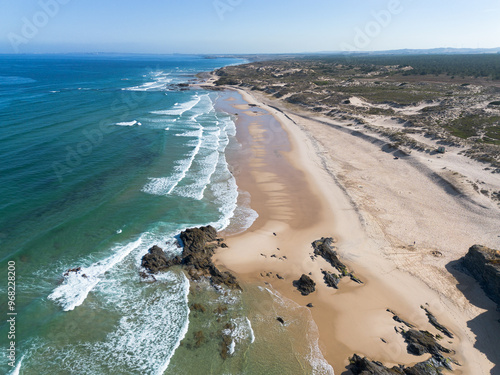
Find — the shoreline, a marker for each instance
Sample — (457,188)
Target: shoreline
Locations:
(352,319)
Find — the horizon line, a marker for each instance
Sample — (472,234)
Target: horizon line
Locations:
(465,50)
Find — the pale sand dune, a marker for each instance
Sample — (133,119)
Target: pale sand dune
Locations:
(333,183)
(407,110)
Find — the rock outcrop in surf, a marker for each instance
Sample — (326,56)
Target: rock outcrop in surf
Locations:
(199,247)
(156,260)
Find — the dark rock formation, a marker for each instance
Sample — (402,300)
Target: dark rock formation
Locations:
(355,279)
(436,324)
(197,307)
(195,240)
(305,285)
(331,279)
(420,342)
(363,366)
(156,260)
(399,320)
(310,305)
(484,265)
(199,339)
(75,270)
(324,248)
(280,319)
(199,246)
(432,366)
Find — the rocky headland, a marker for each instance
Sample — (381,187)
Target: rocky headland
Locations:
(199,246)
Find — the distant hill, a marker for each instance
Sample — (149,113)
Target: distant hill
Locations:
(432,51)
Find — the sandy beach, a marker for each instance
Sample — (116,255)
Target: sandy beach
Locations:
(400,225)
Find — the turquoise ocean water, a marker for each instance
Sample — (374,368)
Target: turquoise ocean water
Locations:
(102,157)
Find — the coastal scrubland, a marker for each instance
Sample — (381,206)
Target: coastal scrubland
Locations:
(454,100)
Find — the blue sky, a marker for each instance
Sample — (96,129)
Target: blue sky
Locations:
(245,26)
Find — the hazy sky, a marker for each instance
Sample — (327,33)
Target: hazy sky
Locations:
(245,26)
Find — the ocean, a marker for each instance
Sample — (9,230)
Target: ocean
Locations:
(104,156)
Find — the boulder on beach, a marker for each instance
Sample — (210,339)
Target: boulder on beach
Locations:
(324,247)
(331,279)
(305,285)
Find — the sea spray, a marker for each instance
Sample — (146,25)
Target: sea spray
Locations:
(78,284)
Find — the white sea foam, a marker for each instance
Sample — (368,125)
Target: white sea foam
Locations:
(160,82)
(154,319)
(240,332)
(210,168)
(77,285)
(189,133)
(224,191)
(204,137)
(205,170)
(232,346)
(244,216)
(15,370)
(195,185)
(183,331)
(179,109)
(129,123)
(252,333)
(203,166)
(159,185)
(165,185)
(318,362)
